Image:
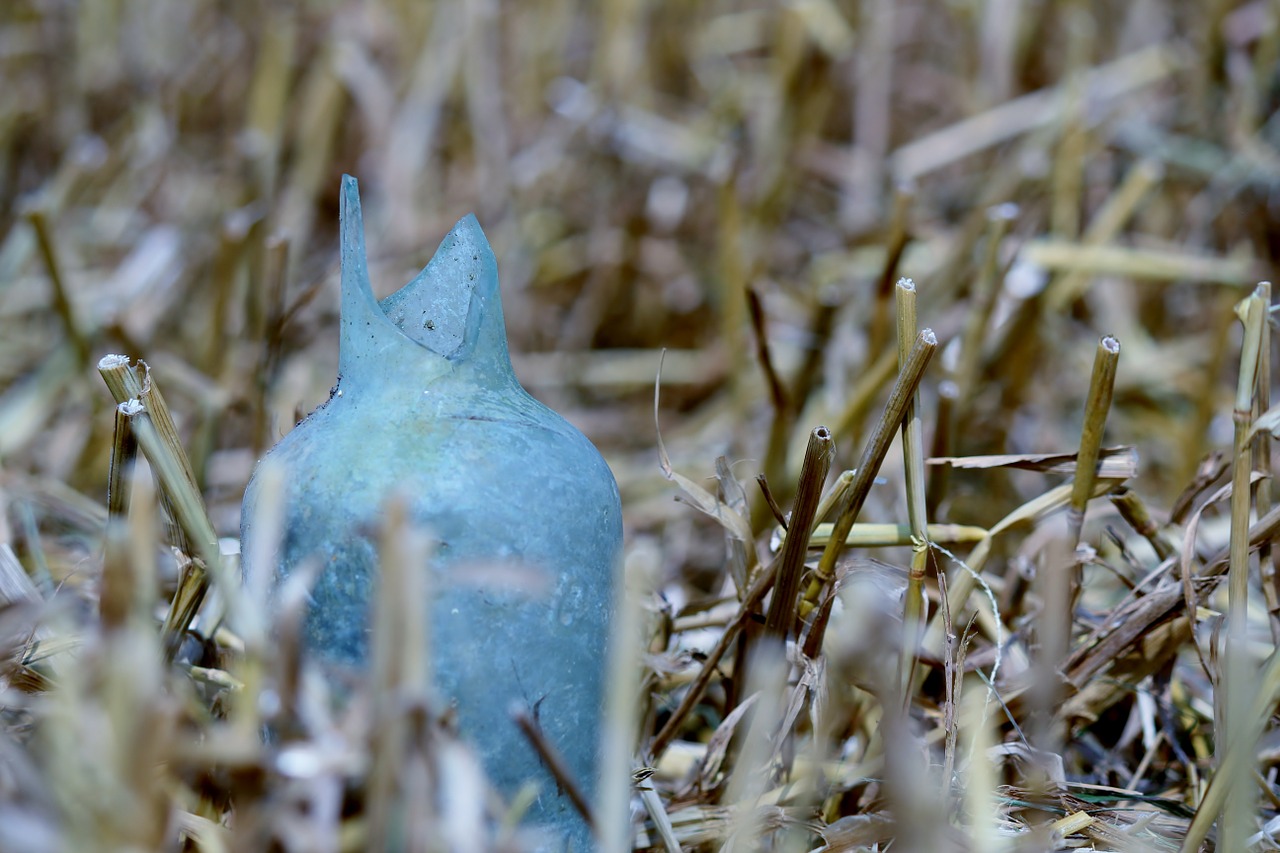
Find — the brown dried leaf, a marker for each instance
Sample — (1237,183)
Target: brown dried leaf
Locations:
(1116,462)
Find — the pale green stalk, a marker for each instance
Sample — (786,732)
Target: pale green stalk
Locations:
(1235,769)
(1268,560)
(1236,817)
(913,460)
(867,534)
(833,497)
(399,673)
(618,738)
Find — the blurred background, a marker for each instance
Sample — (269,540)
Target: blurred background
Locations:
(739,183)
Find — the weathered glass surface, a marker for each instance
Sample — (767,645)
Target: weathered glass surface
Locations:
(427,403)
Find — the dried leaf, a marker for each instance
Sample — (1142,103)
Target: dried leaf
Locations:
(1115,462)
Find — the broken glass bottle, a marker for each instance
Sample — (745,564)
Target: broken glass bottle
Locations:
(427,404)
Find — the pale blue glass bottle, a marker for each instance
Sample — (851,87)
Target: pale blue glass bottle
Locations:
(427,403)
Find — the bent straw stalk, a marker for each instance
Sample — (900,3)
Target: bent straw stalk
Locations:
(872,457)
(190,516)
(895,410)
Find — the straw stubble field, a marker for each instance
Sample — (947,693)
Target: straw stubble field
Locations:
(967,293)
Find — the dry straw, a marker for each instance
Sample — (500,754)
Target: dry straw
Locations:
(739,185)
